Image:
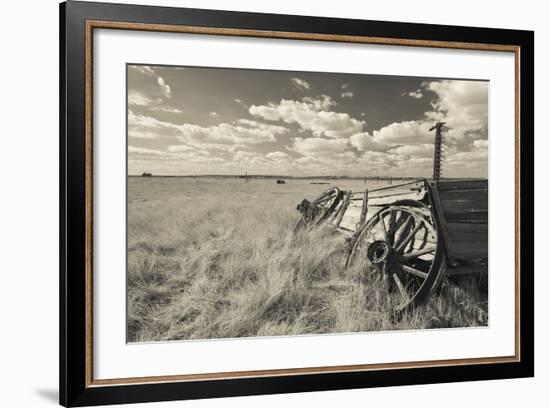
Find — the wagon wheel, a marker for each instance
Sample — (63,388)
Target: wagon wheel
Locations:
(320,209)
(401,242)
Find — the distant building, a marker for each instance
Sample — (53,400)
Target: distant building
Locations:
(146,175)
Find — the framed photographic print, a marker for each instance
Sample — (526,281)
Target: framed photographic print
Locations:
(255,203)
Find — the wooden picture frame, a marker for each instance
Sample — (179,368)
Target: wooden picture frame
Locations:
(78,20)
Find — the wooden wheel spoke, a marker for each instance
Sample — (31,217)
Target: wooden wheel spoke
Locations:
(391,227)
(414,271)
(417,253)
(401,288)
(400,226)
(403,242)
(381,220)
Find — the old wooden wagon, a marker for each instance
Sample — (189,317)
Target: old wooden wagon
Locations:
(412,233)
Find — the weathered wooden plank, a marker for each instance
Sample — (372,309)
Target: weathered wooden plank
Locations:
(470,194)
(464,205)
(461,184)
(389,199)
(466,270)
(465,232)
(364,209)
(467,250)
(467,217)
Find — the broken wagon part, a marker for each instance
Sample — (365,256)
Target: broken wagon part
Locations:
(317,212)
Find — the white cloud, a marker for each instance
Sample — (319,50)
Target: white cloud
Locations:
(135,150)
(241,102)
(277,155)
(300,84)
(144,69)
(481,144)
(168,109)
(425,150)
(463,105)
(416,94)
(412,132)
(180,148)
(147,127)
(164,87)
(317,145)
(363,142)
(347,94)
(217,147)
(311,114)
(136,98)
(244,131)
(139,99)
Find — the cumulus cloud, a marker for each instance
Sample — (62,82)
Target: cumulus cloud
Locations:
(157,88)
(300,84)
(310,114)
(414,94)
(424,150)
(135,150)
(148,127)
(144,69)
(277,155)
(463,105)
(407,146)
(175,154)
(168,109)
(310,136)
(408,132)
(136,98)
(481,144)
(363,142)
(243,131)
(180,148)
(317,145)
(164,87)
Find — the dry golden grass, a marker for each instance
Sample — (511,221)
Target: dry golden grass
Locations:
(214,258)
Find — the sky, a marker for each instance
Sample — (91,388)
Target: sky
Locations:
(198,120)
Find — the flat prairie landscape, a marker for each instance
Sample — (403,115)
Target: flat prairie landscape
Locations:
(217,258)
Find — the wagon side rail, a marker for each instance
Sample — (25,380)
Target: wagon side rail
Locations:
(359,206)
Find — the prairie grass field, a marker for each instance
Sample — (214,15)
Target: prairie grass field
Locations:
(217,258)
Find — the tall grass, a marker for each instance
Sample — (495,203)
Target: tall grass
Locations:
(219,260)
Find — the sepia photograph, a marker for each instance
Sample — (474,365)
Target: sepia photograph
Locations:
(285,203)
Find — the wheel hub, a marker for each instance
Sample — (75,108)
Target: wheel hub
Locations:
(378,252)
